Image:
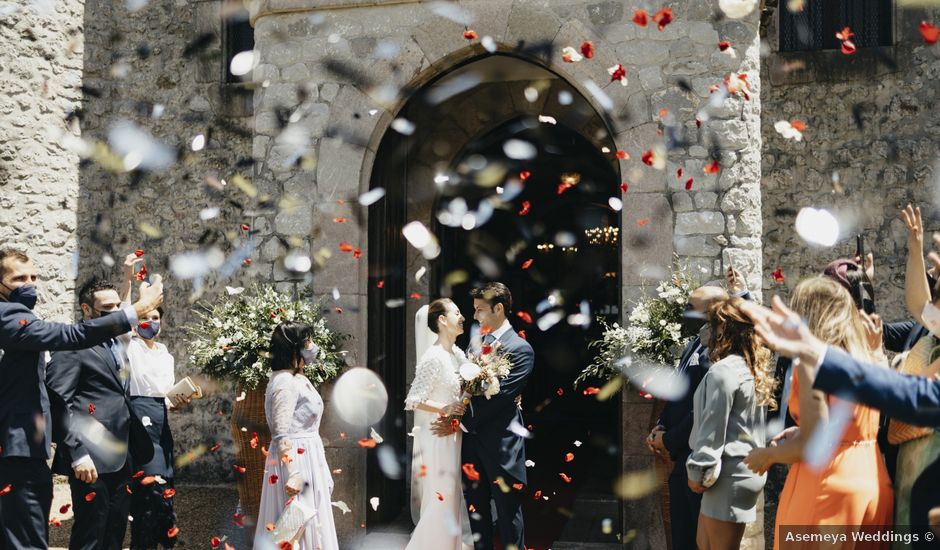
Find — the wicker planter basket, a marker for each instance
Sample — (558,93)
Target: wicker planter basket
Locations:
(249,414)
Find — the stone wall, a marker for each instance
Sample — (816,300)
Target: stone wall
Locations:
(40,82)
(870,148)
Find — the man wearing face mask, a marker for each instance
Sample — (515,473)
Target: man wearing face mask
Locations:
(25,421)
(100,439)
(670,438)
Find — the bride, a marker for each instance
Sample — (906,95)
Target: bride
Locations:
(434,392)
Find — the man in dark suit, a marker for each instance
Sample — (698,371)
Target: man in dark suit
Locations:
(493,442)
(670,437)
(96,432)
(25,421)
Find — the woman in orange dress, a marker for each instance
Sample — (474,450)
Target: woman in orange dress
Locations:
(852,487)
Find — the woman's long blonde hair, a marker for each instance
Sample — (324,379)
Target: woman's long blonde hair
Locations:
(829,310)
(732,332)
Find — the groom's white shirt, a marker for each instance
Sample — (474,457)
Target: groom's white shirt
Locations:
(498,333)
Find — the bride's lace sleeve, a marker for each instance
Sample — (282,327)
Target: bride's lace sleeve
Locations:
(421,386)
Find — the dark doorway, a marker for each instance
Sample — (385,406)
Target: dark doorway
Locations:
(561,260)
(570,233)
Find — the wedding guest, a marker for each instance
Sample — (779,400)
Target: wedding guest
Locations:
(25,420)
(151,376)
(296,469)
(670,437)
(853,488)
(728,416)
(99,438)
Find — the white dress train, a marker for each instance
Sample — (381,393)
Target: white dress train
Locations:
(294,409)
(443,521)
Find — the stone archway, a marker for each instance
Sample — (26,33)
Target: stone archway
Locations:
(423,162)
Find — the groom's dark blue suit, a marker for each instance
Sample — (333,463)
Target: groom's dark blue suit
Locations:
(497,452)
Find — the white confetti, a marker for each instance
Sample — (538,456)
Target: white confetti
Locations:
(659,381)
(198,143)
(820,447)
(518,429)
(547,119)
(335,293)
(451,11)
(403,126)
(138,148)
(208,213)
(233,290)
(342,506)
(374,502)
(615,204)
(517,149)
(736,9)
(371,197)
(375,435)
(817,226)
(145,420)
(244,62)
(359,397)
(420,273)
(529,464)
(577,443)
(241,397)
(488,44)
(599,95)
(531,94)
(422,239)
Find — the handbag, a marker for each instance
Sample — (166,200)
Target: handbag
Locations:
(917,364)
(290,525)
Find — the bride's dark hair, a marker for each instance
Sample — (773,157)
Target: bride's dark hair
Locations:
(436,309)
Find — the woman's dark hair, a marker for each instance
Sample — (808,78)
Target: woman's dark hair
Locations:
(436,309)
(287,341)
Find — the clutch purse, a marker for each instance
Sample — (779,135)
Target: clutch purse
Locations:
(290,525)
(185,388)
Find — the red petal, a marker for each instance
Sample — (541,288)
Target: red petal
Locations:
(6,489)
(172,532)
(247,261)
(663,17)
(930,32)
(591,390)
(559,392)
(778,275)
(619,73)
(565,477)
(91,408)
(526,318)
(273,479)
(367,443)
(245,227)
(688,184)
(642,222)
(845,34)
(64,508)
(338,309)
(798,125)
(239,520)
(422,470)
(139,252)
(724,45)
(23,322)
(345,247)
(169,493)
(470,34)
(415,296)
(55,522)
(587,49)
(698,123)
(471,472)
(339,220)
(486,349)
(300,450)
(215,447)
(521,334)
(537,495)
(624,186)
(641,18)
(527,264)
(215,542)
(623,155)
(524,175)
(848,47)
(90,496)
(148,480)
(526,207)
(357,253)
(712,167)
(440,496)
(647,157)
(380,284)
(239,469)
(254,440)
(569,457)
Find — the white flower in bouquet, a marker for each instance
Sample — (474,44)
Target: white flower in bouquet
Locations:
(492,387)
(469,372)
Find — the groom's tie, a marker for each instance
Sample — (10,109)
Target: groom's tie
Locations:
(488,339)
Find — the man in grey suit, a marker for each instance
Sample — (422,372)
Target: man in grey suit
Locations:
(24,405)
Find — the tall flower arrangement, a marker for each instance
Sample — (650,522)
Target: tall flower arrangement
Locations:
(653,329)
(230,340)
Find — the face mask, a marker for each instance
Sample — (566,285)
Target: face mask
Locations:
(25,295)
(931,317)
(309,355)
(150,331)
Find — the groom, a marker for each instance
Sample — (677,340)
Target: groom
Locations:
(492,443)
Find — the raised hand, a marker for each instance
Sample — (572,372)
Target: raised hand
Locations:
(734,280)
(784,331)
(915,227)
(130,262)
(874,329)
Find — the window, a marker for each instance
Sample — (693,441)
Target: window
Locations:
(237,36)
(816,26)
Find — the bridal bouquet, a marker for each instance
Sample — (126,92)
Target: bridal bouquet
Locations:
(481,374)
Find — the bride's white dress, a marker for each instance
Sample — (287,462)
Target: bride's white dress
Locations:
(436,464)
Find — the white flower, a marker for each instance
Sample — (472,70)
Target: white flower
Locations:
(662,322)
(469,371)
(492,387)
